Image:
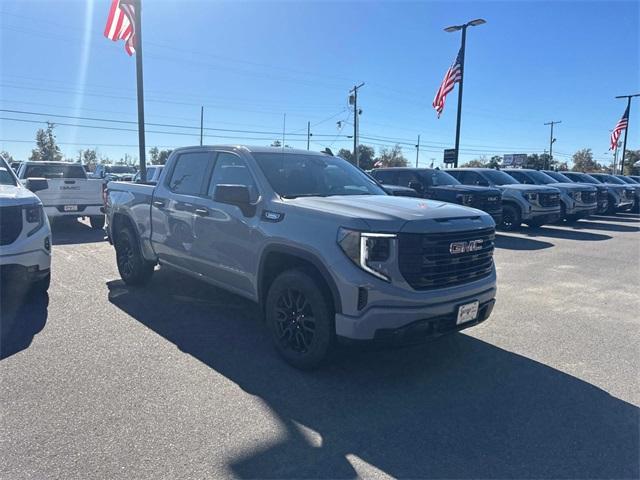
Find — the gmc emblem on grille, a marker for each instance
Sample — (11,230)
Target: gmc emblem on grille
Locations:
(465,247)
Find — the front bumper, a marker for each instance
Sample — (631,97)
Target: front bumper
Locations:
(541,214)
(430,319)
(582,210)
(16,274)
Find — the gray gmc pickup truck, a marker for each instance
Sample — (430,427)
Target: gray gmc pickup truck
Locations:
(323,249)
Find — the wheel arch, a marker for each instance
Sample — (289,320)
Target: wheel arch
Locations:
(276,259)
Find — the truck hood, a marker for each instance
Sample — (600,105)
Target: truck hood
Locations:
(528,188)
(569,187)
(386,213)
(466,189)
(12,195)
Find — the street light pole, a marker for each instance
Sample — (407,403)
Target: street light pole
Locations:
(454,28)
(624,144)
(551,140)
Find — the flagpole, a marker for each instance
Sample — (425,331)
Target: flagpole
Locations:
(459,116)
(138,48)
(624,144)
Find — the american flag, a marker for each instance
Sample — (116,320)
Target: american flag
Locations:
(453,75)
(121,24)
(617,130)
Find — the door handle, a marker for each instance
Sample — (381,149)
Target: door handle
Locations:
(159,203)
(203,212)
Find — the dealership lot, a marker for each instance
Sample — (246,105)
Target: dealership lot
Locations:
(179,380)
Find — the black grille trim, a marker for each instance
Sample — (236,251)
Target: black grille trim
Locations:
(10,224)
(426,263)
(549,199)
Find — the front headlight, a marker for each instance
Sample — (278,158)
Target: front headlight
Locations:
(530,196)
(577,196)
(465,199)
(370,251)
(34,215)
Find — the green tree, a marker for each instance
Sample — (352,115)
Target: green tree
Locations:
(475,163)
(392,157)
(46,147)
(630,159)
(7,156)
(159,157)
(583,161)
(90,158)
(366,156)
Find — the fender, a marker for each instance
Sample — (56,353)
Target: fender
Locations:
(302,255)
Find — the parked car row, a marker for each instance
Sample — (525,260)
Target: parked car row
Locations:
(516,196)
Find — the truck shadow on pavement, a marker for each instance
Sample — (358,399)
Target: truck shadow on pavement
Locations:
(565,234)
(610,227)
(629,218)
(73,232)
(455,408)
(22,316)
(508,242)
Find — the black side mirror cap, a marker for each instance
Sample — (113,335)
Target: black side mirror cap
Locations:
(237,195)
(36,184)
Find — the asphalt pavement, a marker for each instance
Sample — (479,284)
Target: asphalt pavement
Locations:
(178,379)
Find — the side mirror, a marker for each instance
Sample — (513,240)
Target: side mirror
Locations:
(237,195)
(417,186)
(36,184)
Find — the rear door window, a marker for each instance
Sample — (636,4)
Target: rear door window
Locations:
(190,173)
(383,176)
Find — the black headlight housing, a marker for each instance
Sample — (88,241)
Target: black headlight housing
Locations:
(369,251)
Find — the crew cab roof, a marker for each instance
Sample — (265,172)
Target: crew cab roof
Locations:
(254,149)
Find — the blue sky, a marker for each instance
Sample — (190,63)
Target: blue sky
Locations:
(249,63)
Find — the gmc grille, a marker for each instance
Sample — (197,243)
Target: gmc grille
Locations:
(10,224)
(486,202)
(588,197)
(426,262)
(549,199)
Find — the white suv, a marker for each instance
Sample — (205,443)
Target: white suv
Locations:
(25,235)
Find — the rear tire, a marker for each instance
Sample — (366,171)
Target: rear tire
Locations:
(133,267)
(511,219)
(97,223)
(300,319)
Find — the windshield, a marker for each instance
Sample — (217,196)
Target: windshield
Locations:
(583,177)
(559,177)
(499,178)
(6,177)
(436,178)
(55,170)
(298,175)
(119,169)
(608,178)
(541,178)
(626,179)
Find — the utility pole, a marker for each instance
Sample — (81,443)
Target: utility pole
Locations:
(353,100)
(284,126)
(624,144)
(201,123)
(454,28)
(551,141)
(308,134)
(417,150)
(137,4)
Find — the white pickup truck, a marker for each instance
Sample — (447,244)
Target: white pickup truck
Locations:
(69,193)
(25,236)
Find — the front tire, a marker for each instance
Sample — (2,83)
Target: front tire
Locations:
(300,319)
(42,285)
(133,268)
(97,223)
(510,218)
